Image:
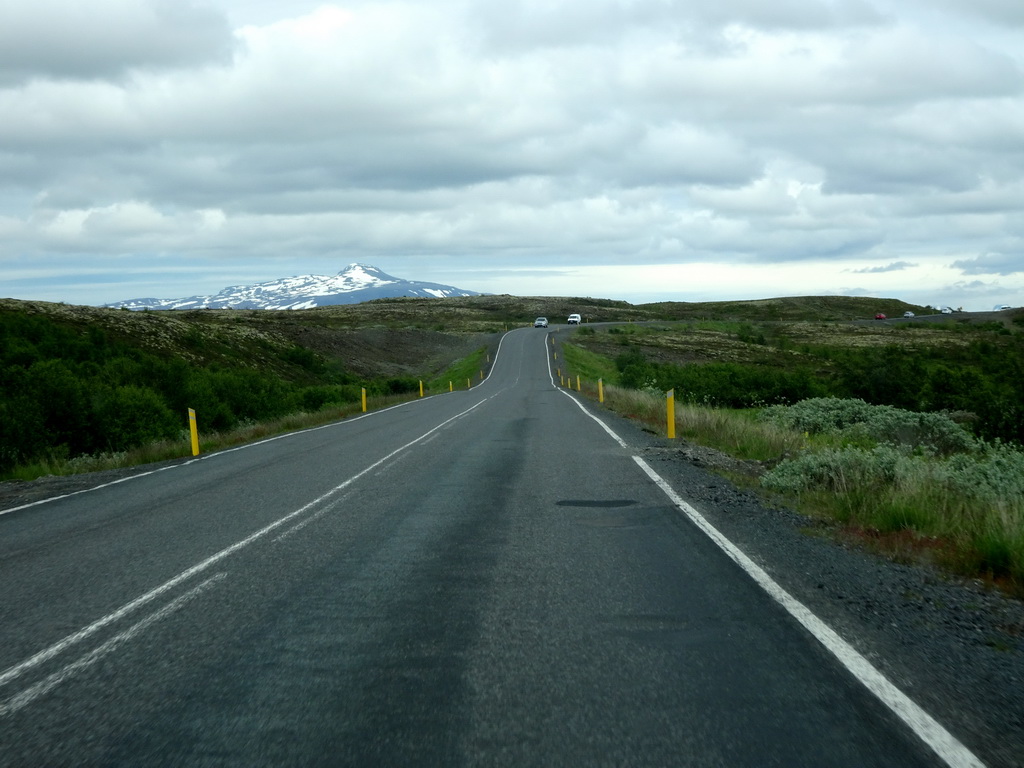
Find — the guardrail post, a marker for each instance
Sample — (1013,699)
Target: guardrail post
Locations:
(193,431)
(671,408)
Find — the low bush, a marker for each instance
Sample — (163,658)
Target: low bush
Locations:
(723,385)
(974,501)
(857,422)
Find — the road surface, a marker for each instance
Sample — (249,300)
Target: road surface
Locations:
(487,577)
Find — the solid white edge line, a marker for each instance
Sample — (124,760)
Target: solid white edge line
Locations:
(579,405)
(929,730)
(948,748)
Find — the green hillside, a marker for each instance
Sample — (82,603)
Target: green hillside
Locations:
(78,381)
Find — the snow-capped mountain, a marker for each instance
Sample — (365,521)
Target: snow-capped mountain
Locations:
(354,284)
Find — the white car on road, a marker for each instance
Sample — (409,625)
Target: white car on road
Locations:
(574,319)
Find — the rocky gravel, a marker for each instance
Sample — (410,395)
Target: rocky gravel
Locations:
(954,646)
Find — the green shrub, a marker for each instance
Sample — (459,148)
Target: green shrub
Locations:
(313,399)
(975,501)
(836,470)
(857,421)
(130,416)
(21,431)
(304,358)
(400,385)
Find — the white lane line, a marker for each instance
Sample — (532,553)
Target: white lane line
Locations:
(605,427)
(43,687)
(205,457)
(929,730)
(241,447)
(950,749)
(77,637)
(311,519)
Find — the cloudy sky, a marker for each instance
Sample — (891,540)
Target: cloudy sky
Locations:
(686,150)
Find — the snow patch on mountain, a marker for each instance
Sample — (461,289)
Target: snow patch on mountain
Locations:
(354,284)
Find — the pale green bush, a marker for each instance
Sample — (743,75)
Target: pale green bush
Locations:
(838,470)
(973,500)
(994,474)
(857,422)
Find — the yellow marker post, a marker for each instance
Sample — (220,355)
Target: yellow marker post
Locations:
(481,375)
(469,384)
(671,403)
(364,399)
(195,432)
(578,387)
(600,390)
(451,387)
(421,389)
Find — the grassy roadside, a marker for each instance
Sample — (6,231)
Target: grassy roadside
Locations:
(915,487)
(468,369)
(165,450)
(588,365)
(59,464)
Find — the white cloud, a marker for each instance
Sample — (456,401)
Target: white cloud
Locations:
(107,38)
(896,266)
(992,264)
(241,137)
(997,11)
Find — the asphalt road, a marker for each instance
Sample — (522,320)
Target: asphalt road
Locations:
(478,578)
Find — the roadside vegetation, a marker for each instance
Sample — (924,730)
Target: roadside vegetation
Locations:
(907,441)
(907,435)
(462,372)
(115,390)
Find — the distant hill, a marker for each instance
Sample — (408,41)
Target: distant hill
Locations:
(353,285)
(789,308)
(89,380)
